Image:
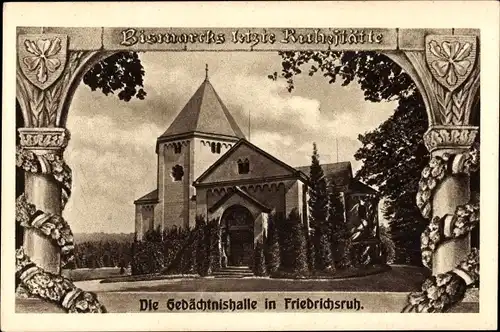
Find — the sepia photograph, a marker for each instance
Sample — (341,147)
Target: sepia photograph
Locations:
(234,170)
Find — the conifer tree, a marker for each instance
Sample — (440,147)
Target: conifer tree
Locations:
(318,211)
(259,262)
(310,248)
(298,244)
(272,248)
(340,236)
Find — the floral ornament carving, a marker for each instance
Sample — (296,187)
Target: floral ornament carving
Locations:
(44,138)
(44,104)
(452,62)
(50,225)
(42,58)
(47,163)
(451,58)
(54,288)
(31,278)
(439,293)
(445,137)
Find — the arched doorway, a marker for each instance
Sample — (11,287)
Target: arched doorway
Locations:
(237,235)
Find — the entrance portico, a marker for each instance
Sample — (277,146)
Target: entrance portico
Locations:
(237,239)
(243,221)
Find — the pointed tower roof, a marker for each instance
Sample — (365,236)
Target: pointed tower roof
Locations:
(204,113)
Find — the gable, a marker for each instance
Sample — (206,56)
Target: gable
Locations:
(237,196)
(261,165)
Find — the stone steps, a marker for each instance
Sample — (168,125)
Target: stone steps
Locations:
(233,272)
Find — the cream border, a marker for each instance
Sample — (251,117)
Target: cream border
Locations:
(419,14)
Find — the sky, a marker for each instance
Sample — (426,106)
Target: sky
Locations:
(112,146)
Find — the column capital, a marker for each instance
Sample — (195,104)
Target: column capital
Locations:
(447,75)
(44,138)
(440,137)
(48,73)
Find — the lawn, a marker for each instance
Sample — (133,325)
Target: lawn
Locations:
(340,274)
(92,274)
(398,279)
(382,292)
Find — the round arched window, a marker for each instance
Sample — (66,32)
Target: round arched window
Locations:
(177,172)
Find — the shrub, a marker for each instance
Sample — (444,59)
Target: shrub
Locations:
(311,249)
(285,243)
(298,244)
(360,254)
(325,253)
(185,260)
(158,251)
(201,246)
(345,253)
(259,264)
(148,257)
(387,246)
(293,245)
(272,247)
(174,239)
(153,235)
(214,236)
(198,251)
(340,235)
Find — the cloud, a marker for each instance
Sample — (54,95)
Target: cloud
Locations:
(105,132)
(112,149)
(112,166)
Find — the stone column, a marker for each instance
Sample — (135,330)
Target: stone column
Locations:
(48,73)
(453,191)
(448,77)
(43,191)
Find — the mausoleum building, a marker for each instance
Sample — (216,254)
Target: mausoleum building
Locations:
(206,167)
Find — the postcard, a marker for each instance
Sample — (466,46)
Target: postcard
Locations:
(249,166)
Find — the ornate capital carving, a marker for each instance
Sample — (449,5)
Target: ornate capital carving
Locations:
(450,137)
(44,138)
(42,106)
(47,73)
(451,59)
(42,58)
(453,65)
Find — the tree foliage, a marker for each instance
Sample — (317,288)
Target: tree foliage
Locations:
(318,210)
(259,262)
(298,244)
(393,154)
(340,236)
(388,248)
(121,72)
(378,76)
(98,254)
(272,247)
